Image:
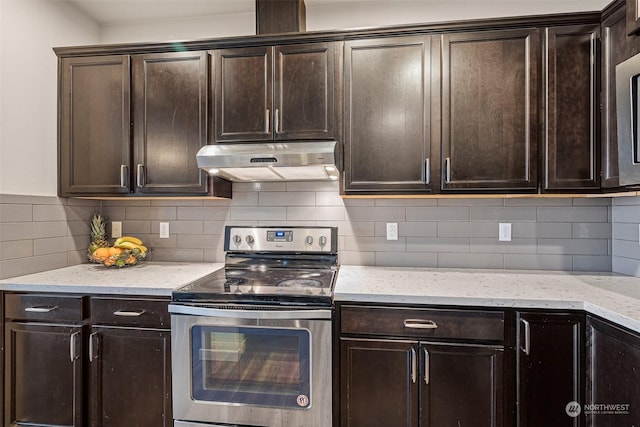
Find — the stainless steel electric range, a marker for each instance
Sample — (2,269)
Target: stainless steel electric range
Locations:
(251,343)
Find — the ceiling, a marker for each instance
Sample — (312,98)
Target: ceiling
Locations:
(116,11)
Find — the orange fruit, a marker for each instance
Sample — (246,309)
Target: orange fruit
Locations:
(114,251)
(101,254)
(131,260)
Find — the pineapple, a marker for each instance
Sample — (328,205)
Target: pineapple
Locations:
(98,233)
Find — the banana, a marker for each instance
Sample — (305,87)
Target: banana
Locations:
(130,239)
(126,245)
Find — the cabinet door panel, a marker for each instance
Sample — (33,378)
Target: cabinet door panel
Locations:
(550,368)
(43,385)
(387,114)
(613,360)
(170,104)
(489,110)
(94,126)
(243,94)
(461,385)
(304,91)
(571,145)
(130,377)
(376,383)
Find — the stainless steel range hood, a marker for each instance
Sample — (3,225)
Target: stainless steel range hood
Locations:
(277,161)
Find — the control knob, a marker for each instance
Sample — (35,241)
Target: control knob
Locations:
(322,241)
(237,239)
(309,240)
(250,240)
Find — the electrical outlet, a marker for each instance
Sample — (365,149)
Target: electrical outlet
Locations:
(164,230)
(504,232)
(392,231)
(116,229)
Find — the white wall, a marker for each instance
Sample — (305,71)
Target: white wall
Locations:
(28,89)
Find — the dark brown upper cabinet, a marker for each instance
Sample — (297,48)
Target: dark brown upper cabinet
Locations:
(571,102)
(633,17)
(170,122)
(387,139)
(275,92)
(490,110)
(131,125)
(94,120)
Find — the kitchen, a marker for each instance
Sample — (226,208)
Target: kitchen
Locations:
(593,234)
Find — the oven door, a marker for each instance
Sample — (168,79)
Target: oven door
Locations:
(251,367)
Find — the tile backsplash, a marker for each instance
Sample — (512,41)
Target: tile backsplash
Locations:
(547,233)
(626,235)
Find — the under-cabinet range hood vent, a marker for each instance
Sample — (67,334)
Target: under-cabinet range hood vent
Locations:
(285,161)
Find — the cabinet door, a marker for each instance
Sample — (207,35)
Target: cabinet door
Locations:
(378,383)
(243,93)
(550,369)
(130,377)
(387,115)
(461,385)
(93,141)
(613,361)
(615,49)
(489,110)
(170,126)
(43,381)
(304,91)
(571,100)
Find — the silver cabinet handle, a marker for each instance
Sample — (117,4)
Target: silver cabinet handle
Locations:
(414,365)
(125,313)
(527,337)
(426,366)
(447,167)
(266,121)
(427,171)
(72,346)
(92,346)
(140,175)
(41,309)
(276,121)
(420,324)
(124,178)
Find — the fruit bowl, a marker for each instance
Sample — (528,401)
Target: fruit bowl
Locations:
(117,257)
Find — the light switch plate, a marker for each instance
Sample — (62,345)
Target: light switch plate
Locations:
(164,230)
(116,229)
(504,232)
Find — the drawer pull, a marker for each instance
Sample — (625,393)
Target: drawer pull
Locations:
(93,347)
(426,366)
(125,313)
(41,309)
(420,324)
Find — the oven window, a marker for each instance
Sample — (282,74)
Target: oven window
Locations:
(251,365)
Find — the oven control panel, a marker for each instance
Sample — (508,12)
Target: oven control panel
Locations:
(281,239)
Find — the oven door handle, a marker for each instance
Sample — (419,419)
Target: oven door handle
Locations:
(252,313)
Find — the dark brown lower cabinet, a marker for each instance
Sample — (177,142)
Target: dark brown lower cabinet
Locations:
(130,377)
(550,368)
(613,366)
(76,361)
(44,381)
(408,383)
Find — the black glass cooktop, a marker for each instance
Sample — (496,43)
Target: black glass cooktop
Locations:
(261,284)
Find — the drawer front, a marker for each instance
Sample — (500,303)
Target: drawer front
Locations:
(423,323)
(145,313)
(42,307)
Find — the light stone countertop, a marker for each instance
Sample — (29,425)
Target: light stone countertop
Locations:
(613,297)
(146,278)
